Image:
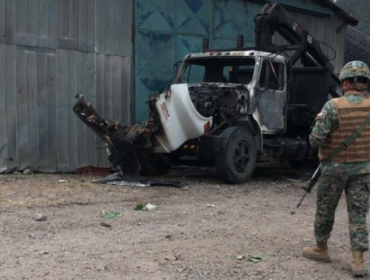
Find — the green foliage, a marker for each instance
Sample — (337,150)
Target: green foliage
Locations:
(140,207)
(110,215)
(256,258)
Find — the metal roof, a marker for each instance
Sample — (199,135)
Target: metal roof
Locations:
(328,8)
(351,20)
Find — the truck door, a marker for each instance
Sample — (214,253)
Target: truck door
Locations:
(271,105)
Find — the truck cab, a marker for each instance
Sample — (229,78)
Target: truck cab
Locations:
(259,79)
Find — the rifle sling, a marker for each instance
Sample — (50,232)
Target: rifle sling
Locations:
(349,140)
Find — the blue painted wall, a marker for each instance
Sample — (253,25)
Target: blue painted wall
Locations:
(166,31)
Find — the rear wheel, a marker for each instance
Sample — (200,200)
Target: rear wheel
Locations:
(236,159)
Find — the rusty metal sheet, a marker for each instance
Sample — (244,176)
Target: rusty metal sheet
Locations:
(43,23)
(10,163)
(2,20)
(22,14)
(52,82)
(22,113)
(3,112)
(10,19)
(32,24)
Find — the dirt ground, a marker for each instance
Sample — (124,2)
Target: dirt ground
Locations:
(203,230)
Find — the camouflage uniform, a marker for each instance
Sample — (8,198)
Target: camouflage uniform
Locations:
(352,178)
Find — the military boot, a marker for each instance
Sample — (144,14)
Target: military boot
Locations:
(358,268)
(319,253)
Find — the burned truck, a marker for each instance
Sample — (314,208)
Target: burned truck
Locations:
(229,108)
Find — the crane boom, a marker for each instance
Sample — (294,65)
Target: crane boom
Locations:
(274,18)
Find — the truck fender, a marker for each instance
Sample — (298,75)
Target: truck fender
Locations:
(250,124)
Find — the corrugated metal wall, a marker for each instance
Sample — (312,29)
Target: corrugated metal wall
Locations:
(167,30)
(51,50)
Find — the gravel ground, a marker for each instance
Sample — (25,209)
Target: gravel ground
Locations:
(203,230)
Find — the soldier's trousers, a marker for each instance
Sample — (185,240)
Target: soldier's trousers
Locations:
(329,192)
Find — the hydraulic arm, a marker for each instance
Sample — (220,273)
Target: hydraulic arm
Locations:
(274,18)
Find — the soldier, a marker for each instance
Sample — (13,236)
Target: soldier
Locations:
(349,171)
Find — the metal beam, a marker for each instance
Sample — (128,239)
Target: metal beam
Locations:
(302,7)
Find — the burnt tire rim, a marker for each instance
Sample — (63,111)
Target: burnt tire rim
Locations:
(241,156)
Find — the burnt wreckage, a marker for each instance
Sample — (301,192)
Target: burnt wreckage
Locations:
(230,108)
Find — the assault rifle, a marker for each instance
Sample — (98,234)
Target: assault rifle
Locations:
(311,183)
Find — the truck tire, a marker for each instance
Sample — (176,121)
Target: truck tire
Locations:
(153,164)
(237,156)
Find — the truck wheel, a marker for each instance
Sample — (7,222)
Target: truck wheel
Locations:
(236,159)
(153,164)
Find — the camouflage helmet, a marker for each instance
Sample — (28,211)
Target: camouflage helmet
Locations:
(355,69)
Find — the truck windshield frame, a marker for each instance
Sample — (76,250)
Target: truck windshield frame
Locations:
(227,70)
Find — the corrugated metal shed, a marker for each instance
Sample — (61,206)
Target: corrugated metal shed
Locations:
(51,50)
